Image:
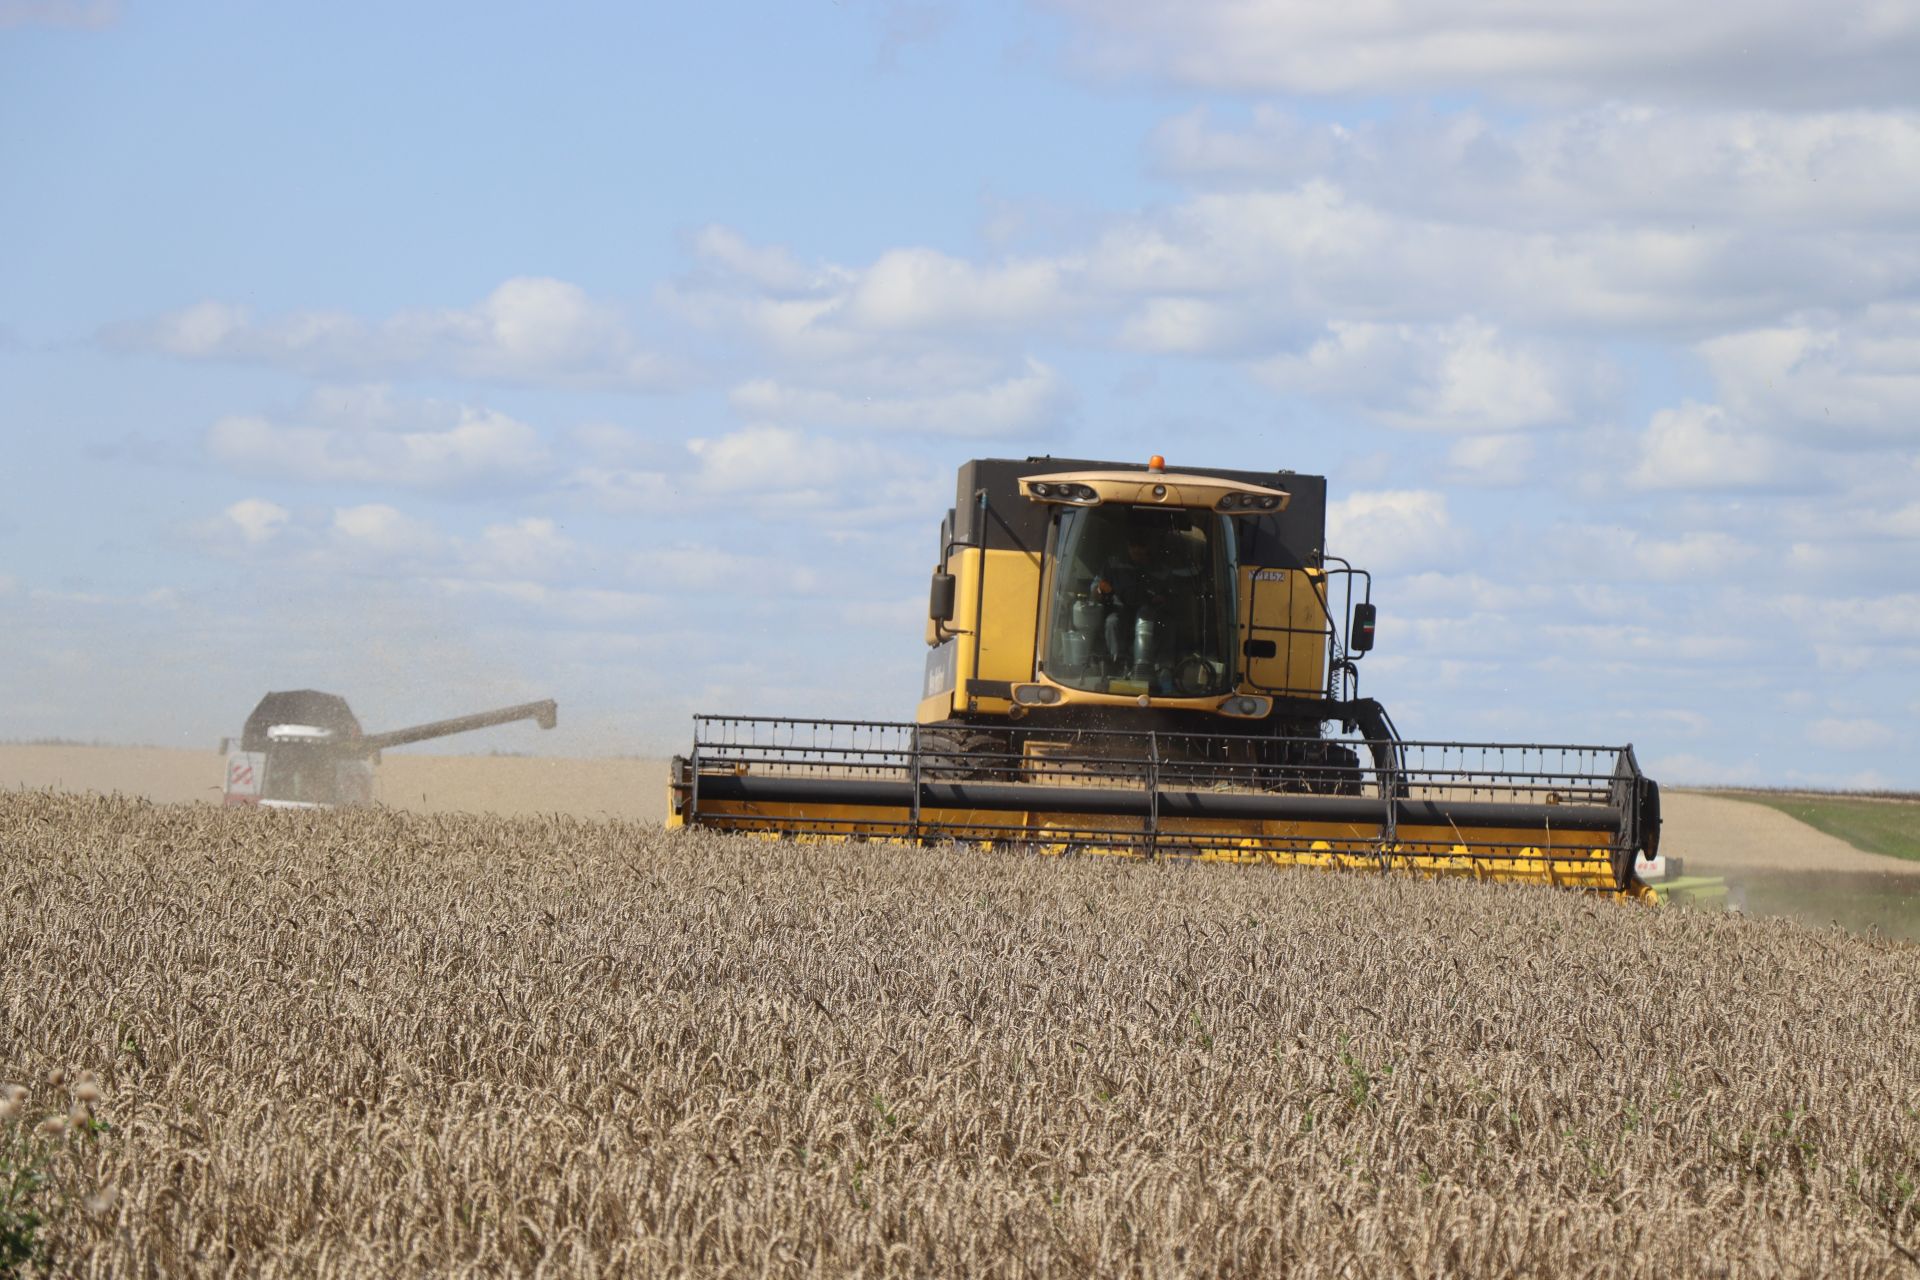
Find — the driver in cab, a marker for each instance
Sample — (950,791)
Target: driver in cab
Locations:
(1137,585)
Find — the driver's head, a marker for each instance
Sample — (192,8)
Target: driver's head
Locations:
(1139,548)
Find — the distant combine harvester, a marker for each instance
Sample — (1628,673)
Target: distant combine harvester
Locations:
(304,749)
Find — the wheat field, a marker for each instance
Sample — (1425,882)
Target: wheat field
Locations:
(383,1043)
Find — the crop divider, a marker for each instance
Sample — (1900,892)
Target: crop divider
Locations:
(913,768)
(1153,794)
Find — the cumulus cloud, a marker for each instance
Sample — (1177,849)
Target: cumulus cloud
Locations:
(1177,325)
(530,547)
(1693,556)
(1772,50)
(364,436)
(917,289)
(1471,302)
(1884,618)
(1239,266)
(531,330)
(1614,162)
(376,532)
(1464,376)
(1852,384)
(1395,530)
(257,519)
(773,268)
(1026,403)
(1697,446)
(1496,460)
(776,470)
(1903,522)
(912,317)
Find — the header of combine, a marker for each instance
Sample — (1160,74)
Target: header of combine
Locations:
(305,749)
(1153,660)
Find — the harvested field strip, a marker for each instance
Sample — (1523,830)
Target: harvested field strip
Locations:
(1885,826)
(349,1042)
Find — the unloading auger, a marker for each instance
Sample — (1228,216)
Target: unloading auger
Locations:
(1140,662)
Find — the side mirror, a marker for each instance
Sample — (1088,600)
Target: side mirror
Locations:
(940,603)
(1360,635)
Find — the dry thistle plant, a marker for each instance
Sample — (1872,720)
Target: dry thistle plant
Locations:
(37,1170)
(365,1042)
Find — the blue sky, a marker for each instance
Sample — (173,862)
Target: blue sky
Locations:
(446,355)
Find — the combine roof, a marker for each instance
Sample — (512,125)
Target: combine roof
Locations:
(327,711)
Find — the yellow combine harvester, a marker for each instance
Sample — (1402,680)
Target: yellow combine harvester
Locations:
(1153,663)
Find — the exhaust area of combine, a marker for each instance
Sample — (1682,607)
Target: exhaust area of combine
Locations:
(1138,662)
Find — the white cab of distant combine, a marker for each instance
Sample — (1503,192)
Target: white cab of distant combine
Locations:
(298,771)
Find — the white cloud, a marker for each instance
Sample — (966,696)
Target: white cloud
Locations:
(1503,459)
(922,289)
(610,443)
(1184,326)
(530,329)
(1886,617)
(1697,446)
(1616,161)
(364,438)
(1854,384)
(1025,403)
(1389,530)
(772,267)
(1700,554)
(1769,50)
(911,318)
(530,547)
(776,461)
(628,490)
(257,519)
(1482,314)
(375,532)
(94,14)
(1850,734)
(1222,271)
(1903,523)
(775,471)
(1463,376)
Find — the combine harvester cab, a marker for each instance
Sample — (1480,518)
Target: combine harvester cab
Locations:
(304,749)
(1152,663)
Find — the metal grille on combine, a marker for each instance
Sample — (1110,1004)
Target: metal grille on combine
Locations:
(1553,813)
